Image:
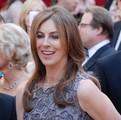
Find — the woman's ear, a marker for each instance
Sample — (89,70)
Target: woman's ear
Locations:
(10,65)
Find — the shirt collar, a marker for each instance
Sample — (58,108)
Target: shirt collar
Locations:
(94,49)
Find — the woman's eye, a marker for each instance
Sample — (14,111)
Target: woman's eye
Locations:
(40,36)
(54,36)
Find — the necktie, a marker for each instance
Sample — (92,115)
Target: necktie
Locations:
(87,56)
(86,52)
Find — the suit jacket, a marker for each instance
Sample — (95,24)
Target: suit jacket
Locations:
(108,71)
(7,107)
(108,4)
(117,29)
(90,65)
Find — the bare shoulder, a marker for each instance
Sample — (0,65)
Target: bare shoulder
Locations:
(94,102)
(86,91)
(21,88)
(86,87)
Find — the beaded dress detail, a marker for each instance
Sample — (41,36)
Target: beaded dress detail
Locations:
(44,107)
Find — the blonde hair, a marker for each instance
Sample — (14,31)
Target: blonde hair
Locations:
(27,7)
(14,44)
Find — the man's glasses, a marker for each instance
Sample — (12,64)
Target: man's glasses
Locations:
(84,24)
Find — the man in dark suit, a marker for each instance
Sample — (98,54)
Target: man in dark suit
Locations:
(108,71)
(96,30)
(7,107)
(116,41)
(117,37)
(108,4)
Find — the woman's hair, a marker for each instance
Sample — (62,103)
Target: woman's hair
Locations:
(69,34)
(14,44)
(27,7)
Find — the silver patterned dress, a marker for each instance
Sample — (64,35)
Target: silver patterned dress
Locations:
(44,107)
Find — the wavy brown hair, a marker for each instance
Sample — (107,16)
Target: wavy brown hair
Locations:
(68,30)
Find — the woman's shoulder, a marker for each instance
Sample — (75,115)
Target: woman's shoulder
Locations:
(86,80)
(21,88)
(86,86)
(86,91)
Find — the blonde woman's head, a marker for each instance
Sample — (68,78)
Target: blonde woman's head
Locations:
(14,45)
(29,5)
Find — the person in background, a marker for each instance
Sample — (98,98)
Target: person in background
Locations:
(108,72)
(82,6)
(80,9)
(116,41)
(29,6)
(14,56)
(59,88)
(96,30)
(113,7)
(12,11)
(117,13)
(117,16)
(29,11)
(108,4)
(7,107)
(71,6)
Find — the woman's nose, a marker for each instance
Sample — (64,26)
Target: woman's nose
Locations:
(46,41)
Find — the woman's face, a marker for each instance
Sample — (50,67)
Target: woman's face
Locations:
(36,8)
(49,45)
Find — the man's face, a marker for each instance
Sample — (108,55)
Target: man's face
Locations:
(87,32)
(70,5)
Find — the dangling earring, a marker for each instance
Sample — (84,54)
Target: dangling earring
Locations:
(10,65)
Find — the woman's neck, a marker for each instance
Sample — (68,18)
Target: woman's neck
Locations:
(12,75)
(54,74)
(11,80)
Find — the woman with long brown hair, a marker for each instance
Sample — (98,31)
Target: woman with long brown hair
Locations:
(59,88)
